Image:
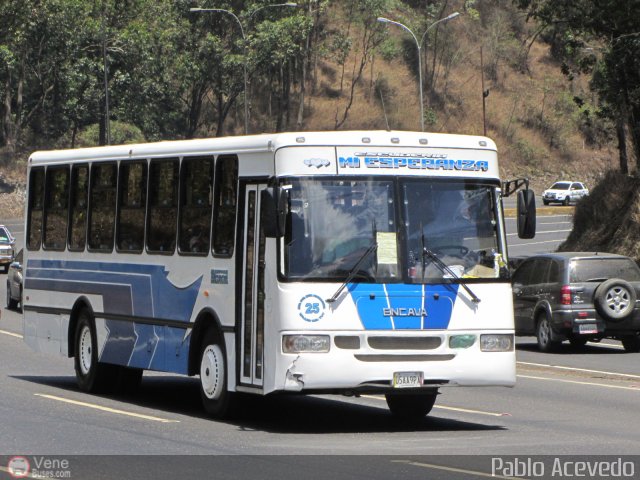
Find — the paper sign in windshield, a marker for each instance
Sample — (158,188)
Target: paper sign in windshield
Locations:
(387,248)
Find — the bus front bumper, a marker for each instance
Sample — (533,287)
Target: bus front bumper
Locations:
(373,365)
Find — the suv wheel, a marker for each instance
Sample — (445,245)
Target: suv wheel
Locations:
(566,201)
(615,299)
(544,334)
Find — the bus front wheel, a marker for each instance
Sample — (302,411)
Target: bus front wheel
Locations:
(216,399)
(411,406)
(91,376)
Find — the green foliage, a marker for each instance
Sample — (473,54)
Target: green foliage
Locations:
(430,117)
(121,133)
(388,50)
(611,27)
(524,153)
(471,10)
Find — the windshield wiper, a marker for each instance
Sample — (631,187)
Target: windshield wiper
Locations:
(353,271)
(444,268)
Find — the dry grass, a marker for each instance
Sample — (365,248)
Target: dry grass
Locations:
(529,114)
(608,220)
(12,190)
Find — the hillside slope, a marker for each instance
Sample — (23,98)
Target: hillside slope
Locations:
(608,220)
(530,107)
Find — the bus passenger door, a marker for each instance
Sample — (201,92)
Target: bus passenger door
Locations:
(253,293)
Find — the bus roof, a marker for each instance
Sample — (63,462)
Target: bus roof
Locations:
(266,142)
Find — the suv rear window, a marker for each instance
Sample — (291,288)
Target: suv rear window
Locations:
(598,268)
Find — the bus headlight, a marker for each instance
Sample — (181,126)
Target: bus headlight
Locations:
(461,341)
(497,342)
(305,343)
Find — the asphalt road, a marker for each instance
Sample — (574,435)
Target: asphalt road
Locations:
(575,402)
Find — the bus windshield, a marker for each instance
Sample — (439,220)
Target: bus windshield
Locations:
(333,223)
(454,221)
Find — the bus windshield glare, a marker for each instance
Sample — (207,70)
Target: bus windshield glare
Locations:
(333,223)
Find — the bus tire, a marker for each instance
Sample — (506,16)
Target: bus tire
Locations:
(91,376)
(216,399)
(411,406)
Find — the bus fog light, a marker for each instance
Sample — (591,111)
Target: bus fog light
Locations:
(305,343)
(461,341)
(497,342)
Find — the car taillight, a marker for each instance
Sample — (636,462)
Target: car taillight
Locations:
(565,295)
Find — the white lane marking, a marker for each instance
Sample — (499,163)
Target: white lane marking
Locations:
(561,367)
(454,409)
(11,334)
(593,384)
(546,231)
(565,215)
(534,243)
(106,409)
(451,469)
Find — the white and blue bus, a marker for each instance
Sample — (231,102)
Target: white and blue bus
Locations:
(327,262)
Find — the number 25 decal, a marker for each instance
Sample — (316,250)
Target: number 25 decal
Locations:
(311,308)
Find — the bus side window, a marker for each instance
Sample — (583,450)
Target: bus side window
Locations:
(36,197)
(102,208)
(78,207)
(163,206)
(131,207)
(225,205)
(55,208)
(196,182)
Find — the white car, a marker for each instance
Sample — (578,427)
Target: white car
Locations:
(564,192)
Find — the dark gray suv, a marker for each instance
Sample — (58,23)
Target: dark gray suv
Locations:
(578,297)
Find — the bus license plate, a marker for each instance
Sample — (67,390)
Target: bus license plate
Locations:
(407,379)
(588,328)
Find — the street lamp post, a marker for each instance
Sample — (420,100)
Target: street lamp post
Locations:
(107,121)
(244,46)
(419,46)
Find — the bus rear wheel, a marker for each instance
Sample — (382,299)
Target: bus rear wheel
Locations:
(411,406)
(216,399)
(91,376)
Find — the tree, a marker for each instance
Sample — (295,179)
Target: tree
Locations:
(615,27)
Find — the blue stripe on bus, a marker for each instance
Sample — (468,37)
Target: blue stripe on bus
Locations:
(371,300)
(127,289)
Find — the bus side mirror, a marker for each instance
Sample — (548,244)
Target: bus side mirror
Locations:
(273,211)
(526,208)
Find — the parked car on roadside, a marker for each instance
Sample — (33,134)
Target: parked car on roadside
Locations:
(578,297)
(564,192)
(14,282)
(7,243)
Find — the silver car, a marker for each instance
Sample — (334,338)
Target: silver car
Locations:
(7,244)
(14,283)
